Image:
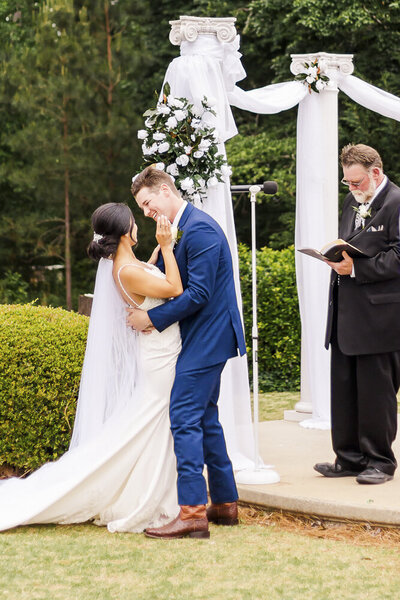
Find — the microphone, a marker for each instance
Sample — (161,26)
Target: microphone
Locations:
(268,187)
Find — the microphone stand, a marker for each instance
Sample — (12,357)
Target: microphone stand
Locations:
(260,474)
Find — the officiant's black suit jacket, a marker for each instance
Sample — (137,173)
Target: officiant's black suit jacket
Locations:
(368,305)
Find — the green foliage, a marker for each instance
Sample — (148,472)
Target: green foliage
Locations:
(13,289)
(256,158)
(41,359)
(278,317)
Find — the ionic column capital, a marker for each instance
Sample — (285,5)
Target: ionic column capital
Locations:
(189,28)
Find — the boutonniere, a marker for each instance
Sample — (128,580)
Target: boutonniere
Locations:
(176,235)
(362,211)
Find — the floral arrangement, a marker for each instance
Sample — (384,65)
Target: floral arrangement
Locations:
(180,139)
(314,76)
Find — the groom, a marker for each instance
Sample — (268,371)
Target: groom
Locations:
(211,333)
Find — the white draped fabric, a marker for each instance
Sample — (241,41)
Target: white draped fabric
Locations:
(210,68)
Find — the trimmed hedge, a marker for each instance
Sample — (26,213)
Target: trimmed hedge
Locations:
(278,317)
(41,356)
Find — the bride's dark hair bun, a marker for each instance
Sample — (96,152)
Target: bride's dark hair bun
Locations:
(110,222)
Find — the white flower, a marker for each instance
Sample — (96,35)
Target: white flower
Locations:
(211,101)
(173,169)
(159,136)
(149,149)
(320,84)
(163,109)
(163,147)
(226,171)
(182,160)
(204,145)
(174,233)
(312,72)
(180,115)
(197,111)
(193,137)
(188,149)
(364,212)
(310,79)
(201,182)
(196,123)
(148,122)
(187,184)
(160,166)
(212,181)
(171,123)
(172,101)
(198,154)
(142,134)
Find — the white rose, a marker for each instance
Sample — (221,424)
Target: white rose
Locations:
(320,85)
(309,78)
(142,134)
(160,166)
(211,101)
(171,123)
(204,145)
(312,71)
(163,147)
(146,150)
(188,149)
(182,160)
(196,123)
(180,115)
(198,154)
(163,109)
(172,101)
(226,171)
(364,211)
(212,182)
(172,169)
(159,136)
(197,111)
(187,184)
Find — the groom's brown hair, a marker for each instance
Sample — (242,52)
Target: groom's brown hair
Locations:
(152,178)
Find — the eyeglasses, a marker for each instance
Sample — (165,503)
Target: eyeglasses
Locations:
(353,183)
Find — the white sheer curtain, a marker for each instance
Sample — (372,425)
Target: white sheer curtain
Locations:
(205,68)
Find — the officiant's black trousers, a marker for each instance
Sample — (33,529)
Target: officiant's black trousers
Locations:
(364,408)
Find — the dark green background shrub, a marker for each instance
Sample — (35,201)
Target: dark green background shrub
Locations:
(41,356)
(278,317)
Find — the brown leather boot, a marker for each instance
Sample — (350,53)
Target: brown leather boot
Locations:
(191,522)
(223,514)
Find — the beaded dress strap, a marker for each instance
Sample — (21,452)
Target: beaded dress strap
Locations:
(120,282)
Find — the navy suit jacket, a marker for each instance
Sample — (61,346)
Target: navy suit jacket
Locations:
(368,305)
(207,311)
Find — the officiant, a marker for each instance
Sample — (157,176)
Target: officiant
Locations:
(363,325)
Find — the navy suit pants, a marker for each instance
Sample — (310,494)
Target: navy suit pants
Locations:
(199,438)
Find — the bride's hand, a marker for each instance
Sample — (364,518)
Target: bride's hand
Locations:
(154,255)
(163,232)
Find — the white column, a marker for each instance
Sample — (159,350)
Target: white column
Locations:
(316,225)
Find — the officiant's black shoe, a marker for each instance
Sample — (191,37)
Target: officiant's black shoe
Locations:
(373,476)
(191,522)
(334,470)
(225,513)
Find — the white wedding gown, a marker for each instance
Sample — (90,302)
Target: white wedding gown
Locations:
(123,475)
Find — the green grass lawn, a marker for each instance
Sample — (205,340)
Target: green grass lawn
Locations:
(245,562)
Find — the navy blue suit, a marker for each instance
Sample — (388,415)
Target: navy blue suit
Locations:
(212,332)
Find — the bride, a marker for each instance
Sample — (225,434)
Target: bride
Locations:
(120,468)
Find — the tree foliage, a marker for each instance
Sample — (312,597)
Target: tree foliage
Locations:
(77,75)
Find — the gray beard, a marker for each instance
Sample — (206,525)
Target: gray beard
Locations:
(363,197)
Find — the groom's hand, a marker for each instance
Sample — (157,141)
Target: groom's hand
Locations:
(139,320)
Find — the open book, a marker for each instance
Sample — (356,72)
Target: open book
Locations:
(333,251)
